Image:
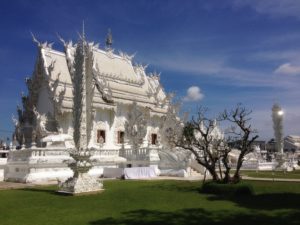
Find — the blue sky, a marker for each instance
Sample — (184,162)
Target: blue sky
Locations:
(235,51)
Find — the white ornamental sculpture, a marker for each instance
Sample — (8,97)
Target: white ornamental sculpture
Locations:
(171,126)
(83,81)
(136,126)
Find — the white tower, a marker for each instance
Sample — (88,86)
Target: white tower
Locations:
(277,117)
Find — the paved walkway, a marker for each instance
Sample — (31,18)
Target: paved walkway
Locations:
(12,185)
(4,185)
(270,179)
(192,178)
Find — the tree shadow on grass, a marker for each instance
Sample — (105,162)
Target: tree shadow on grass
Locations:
(196,216)
(271,201)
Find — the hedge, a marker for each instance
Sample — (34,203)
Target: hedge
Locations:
(239,189)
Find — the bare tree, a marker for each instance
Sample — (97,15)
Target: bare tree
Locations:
(210,148)
(199,137)
(242,132)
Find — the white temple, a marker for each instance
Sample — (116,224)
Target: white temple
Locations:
(123,111)
(92,99)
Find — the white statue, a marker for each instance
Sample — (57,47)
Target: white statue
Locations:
(136,126)
(41,121)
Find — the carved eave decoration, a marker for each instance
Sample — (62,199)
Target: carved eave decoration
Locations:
(43,74)
(33,84)
(56,93)
(126,57)
(110,53)
(118,79)
(102,85)
(154,92)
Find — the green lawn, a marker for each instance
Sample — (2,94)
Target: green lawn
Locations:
(270,174)
(152,202)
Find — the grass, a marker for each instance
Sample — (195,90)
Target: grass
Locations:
(270,174)
(152,202)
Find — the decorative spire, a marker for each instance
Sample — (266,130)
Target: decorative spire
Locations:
(109,39)
(83,33)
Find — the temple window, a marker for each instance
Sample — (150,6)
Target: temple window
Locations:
(121,135)
(100,136)
(153,139)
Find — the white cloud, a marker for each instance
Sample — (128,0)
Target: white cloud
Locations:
(288,69)
(273,8)
(276,55)
(191,64)
(217,67)
(193,94)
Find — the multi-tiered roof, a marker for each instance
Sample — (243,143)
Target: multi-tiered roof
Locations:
(123,80)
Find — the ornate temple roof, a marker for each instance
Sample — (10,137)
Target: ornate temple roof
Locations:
(128,82)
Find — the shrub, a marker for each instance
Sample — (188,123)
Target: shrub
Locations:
(240,189)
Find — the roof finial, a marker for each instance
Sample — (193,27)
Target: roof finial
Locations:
(109,39)
(83,34)
(35,40)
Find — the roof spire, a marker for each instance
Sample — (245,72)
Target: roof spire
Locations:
(109,39)
(83,33)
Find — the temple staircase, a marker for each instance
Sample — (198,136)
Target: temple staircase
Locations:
(194,173)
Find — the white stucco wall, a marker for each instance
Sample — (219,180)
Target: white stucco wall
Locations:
(112,122)
(65,123)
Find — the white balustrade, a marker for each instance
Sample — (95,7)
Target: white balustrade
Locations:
(142,154)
